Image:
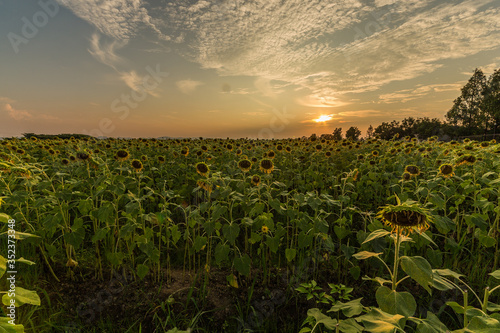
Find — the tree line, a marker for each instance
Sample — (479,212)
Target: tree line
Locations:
(475,112)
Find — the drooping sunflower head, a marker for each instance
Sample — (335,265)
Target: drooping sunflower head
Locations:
(245,165)
(202,168)
(82,156)
(413,170)
(205,184)
(266,165)
(255,180)
(406,176)
(485,144)
(405,217)
(137,165)
(122,155)
(466,159)
(446,170)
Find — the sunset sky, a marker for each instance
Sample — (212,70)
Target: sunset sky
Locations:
(234,68)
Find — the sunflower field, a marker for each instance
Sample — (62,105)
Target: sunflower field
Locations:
(223,235)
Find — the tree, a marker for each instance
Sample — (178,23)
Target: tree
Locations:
(353,133)
(491,102)
(467,108)
(369,132)
(387,131)
(337,134)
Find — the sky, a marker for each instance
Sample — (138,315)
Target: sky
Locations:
(236,68)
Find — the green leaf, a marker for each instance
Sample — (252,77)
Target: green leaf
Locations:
(320,318)
(4,218)
(496,274)
(243,264)
(22,296)
(350,326)
(394,302)
(341,232)
(448,272)
(99,235)
(142,270)
(431,325)
(440,283)
(221,253)
(376,234)
(290,254)
(483,324)
(349,309)
(6,327)
(365,255)
(378,321)
(21,235)
(231,232)
(199,243)
(419,270)
(24,261)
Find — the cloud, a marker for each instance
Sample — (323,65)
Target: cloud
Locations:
(120,19)
(106,52)
(296,42)
(406,95)
(7,105)
(188,86)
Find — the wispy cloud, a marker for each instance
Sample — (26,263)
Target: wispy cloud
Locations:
(106,52)
(188,86)
(403,96)
(7,106)
(120,19)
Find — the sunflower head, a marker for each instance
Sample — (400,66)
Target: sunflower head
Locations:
(137,165)
(266,165)
(255,180)
(446,170)
(405,217)
(122,155)
(413,170)
(271,154)
(65,161)
(202,168)
(406,176)
(265,229)
(82,156)
(245,165)
(161,159)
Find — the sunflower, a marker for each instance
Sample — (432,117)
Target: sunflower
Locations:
(266,165)
(288,149)
(446,170)
(245,165)
(405,217)
(466,159)
(265,229)
(161,159)
(255,180)
(375,153)
(413,170)
(122,155)
(406,176)
(271,154)
(205,185)
(144,158)
(485,144)
(82,156)
(65,161)
(185,151)
(137,165)
(328,154)
(202,168)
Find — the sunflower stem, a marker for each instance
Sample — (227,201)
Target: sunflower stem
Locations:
(397,243)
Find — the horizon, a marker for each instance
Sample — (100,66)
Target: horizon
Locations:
(237,69)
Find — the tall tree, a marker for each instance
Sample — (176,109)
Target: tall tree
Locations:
(369,132)
(353,133)
(491,103)
(337,134)
(467,108)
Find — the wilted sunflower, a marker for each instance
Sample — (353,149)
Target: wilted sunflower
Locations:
(446,170)
(413,170)
(245,165)
(266,165)
(82,156)
(466,159)
(255,180)
(205,185)
(406,176)
(122,155)
(405,217)
(202,169)
(137,165)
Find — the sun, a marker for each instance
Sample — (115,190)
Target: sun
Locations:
(323,118)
